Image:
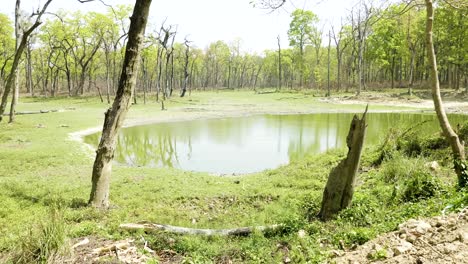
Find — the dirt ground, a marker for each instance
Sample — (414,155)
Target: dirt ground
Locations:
(454,102)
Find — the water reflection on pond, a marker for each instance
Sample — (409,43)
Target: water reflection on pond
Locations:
(249,144)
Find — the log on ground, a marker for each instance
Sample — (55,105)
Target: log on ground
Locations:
(241,231)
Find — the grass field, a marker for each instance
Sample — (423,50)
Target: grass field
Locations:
(45,170)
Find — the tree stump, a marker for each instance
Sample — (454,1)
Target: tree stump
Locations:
(339,190)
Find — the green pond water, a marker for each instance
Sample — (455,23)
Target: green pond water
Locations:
(251,144)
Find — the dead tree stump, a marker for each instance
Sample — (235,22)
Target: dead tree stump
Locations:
(339,190)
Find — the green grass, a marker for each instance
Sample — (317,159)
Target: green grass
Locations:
(41,167)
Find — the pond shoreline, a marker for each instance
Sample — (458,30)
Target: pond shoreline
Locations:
(223,169)
(79,135)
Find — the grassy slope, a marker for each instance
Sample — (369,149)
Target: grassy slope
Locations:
(40,167)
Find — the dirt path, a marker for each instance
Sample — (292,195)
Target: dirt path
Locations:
(442,239)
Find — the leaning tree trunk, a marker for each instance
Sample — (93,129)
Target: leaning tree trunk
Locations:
(16,60)
(457,147)
(115,115)
(339,190)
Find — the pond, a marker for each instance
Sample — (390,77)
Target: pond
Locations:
(253,143)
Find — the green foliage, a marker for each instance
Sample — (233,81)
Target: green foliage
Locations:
(420,185)
(463,132)
(378,255)
(400,168)
(44,241)
(7,45)
(362,211)
(357,236)
(461,166)
(302,29)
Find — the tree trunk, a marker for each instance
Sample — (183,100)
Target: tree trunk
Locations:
(17,43)
(338,70)
(328,66)
(18,53)
(115,115)
(240,231)
(108,82)
(339,190)
(29,78)
(186,73)
(359,68)
(14,100)
(229,73)
(457,148)
(280,65)
(411,73)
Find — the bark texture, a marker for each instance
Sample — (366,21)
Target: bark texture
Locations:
(240,231)
(458,150)
(115,115)
(339,190)
(14,100)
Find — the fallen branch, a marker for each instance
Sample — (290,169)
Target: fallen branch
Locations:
(81,243)
(34,112)
(112,248)
(241,231)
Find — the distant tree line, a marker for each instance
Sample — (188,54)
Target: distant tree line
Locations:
(80,53)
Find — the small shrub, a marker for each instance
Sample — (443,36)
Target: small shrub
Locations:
(387,148)
(421,185)
(378,255)
(434,143)
(357,236)
(410,144)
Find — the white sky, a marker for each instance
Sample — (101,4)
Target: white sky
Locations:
(206,21)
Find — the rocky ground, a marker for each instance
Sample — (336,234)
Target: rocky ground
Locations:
(442,239)
(97,250)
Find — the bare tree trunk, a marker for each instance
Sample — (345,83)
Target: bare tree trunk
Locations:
(457,147)
(18,53)
(339,190)
(29,78)
(145,78)
(411,73)
(17,43)
(108,82)
(328,66)
(280,66)
(115,115)
(186,74)
(14,100)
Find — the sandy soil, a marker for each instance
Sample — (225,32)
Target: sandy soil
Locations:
(452,103)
